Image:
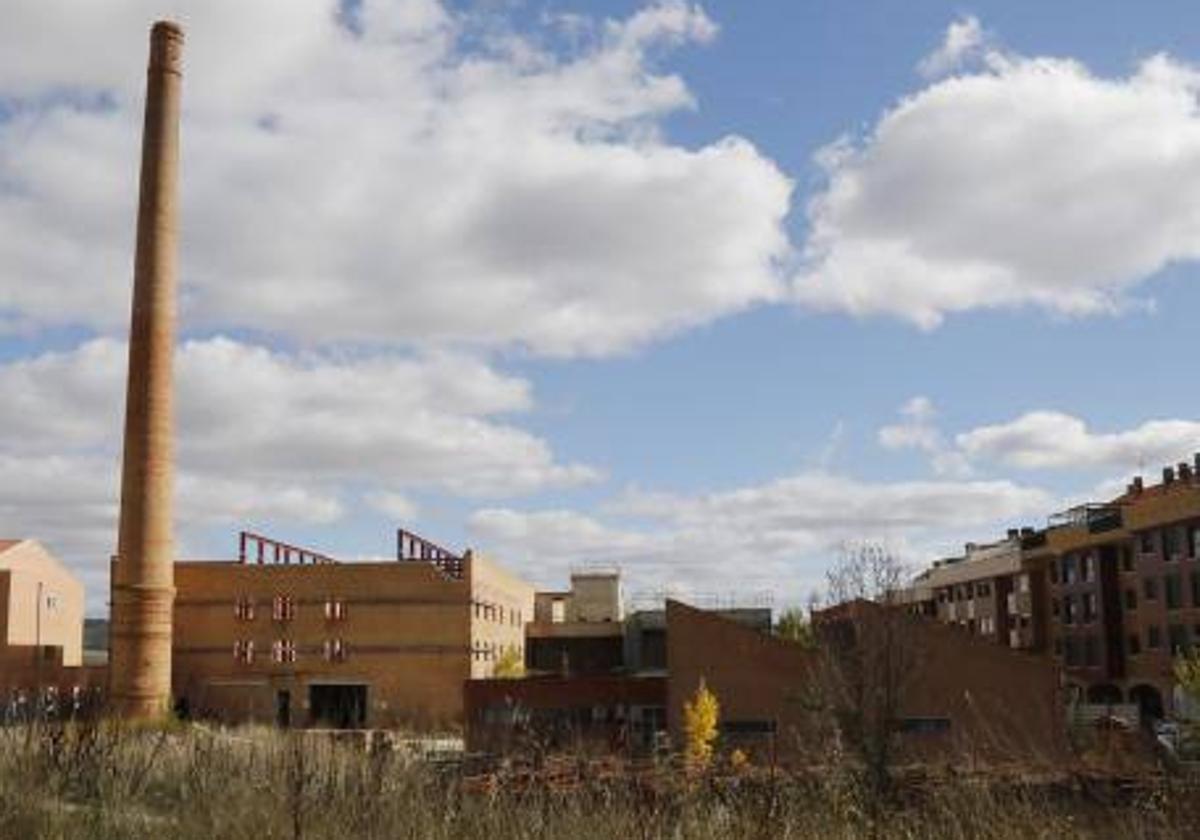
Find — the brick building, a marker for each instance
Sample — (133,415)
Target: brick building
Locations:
(1108,591)
(290,636)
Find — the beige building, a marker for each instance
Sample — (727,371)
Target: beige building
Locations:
(41,602)
(290,636)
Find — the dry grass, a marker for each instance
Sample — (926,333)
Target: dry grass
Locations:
(111,782)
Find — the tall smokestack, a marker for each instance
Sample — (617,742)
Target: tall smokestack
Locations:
(143,580)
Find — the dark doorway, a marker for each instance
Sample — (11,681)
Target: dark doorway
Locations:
(1149,701)
(339,706)
(283,709)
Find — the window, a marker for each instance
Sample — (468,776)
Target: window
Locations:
(243,609)
(1069,609)
(1154,637)
(283,650)
(1068,573)
(1149,589)
(1088,567)
(982,590)
(243,651)
(1058,646)
(1177,639)
(1131,599)
(1023,583)
(1135,644)
(1054,573)
(335,609)
(1090,655)
(1071,651)
(1194,543)
(1173,588)
(1171,543)
(1126,559)
(1146,542)
(923,725)
(1054,609)
(1196,589)
(335,650)
(283,608)
(1089,607)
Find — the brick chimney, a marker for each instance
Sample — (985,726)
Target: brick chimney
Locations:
(143,579)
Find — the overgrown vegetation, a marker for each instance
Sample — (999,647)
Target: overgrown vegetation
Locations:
(109,782)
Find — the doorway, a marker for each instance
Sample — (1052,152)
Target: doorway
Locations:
(338,705)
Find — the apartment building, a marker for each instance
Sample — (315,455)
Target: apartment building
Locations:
(291,636)
(989,592)
(1109,591)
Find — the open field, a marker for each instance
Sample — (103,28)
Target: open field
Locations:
(191,783)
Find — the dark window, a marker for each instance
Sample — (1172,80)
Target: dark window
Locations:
(1135,644)
(1126,559)
(1149,589)
(924,725)
(1054,573)
(1131,599)
(1173,587)
(983,589)
(1194,542)
(1146,542)
(1154,637)
(1089,606)
(1178,639)
(1069,609)
(748,727)
(1054,607)
(1071,651)
(1196,589)
(1090,657)
(1171,543)
(1058,646)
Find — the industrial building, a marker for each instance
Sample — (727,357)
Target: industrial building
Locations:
(290,636)
(963,699)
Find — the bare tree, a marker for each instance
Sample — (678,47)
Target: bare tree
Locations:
(867,654)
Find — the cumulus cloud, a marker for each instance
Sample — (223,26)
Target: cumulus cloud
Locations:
(778,536)
(372,176)
(1029,182)
(1054,440)
(263,436)
(964,39)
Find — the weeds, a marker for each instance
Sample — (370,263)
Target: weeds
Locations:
(106,781)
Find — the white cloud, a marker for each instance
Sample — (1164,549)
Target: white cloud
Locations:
(1030,182)
(964,39)
(918,430)
(1051,440)
(779,536)
(397,506)
(388,185)
(262,436)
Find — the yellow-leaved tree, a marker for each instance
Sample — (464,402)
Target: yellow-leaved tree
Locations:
(510,665)
(701,716)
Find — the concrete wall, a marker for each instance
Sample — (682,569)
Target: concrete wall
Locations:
(43,601)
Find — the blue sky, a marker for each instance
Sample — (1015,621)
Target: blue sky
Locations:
(706,292)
